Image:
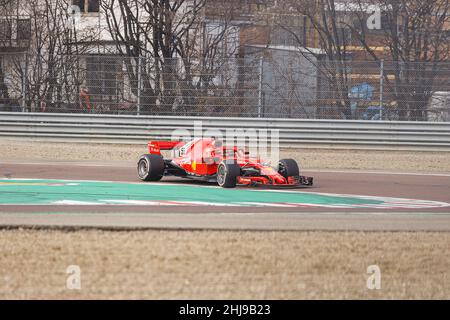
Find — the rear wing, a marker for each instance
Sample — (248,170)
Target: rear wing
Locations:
(155,147)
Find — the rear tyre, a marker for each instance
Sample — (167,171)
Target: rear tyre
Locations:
(227,174)
(151,167)
(288,168)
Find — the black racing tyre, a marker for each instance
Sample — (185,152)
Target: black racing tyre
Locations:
(288,168)
(227,174)
(151,167)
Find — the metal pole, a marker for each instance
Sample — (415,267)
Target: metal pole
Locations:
(139,86)
(260,87)
(381,87)
(24,83)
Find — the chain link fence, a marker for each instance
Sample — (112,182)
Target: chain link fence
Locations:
(276,84)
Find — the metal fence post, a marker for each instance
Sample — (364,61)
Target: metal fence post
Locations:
(381,87)
(138,111)
(24,84)
(260,86)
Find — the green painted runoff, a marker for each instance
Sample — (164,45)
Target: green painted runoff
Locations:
(33,192)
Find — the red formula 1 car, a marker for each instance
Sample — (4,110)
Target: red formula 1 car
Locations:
(209,160)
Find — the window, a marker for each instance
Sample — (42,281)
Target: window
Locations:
(93,5)
(5,30)
(289,36)
(23,29)
(87,6)
(294,32)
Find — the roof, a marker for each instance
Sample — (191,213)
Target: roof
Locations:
(316,51)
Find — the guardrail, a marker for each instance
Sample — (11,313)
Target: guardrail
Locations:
(292,132)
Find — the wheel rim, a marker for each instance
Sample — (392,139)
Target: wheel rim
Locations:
(282,169)
(221,175)
(143,168)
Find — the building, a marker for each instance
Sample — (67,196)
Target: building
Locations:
(15,35)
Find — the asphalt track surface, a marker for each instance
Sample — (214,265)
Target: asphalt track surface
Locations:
(433,187)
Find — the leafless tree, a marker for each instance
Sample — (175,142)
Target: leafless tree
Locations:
(325,31)
(50,77)
(53,53)
(180,59)
(5,35)
(414,32)
(416,35)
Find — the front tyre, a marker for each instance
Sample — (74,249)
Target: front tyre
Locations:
(151,167)
(288,168)
(227,174)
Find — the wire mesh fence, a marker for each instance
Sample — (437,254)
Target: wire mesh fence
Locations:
(282,84)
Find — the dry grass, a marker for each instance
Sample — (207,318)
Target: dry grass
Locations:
(216,265)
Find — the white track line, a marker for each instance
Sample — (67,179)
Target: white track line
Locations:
(379,172)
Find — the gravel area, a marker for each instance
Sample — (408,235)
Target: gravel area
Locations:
(223,265)
(397,161)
